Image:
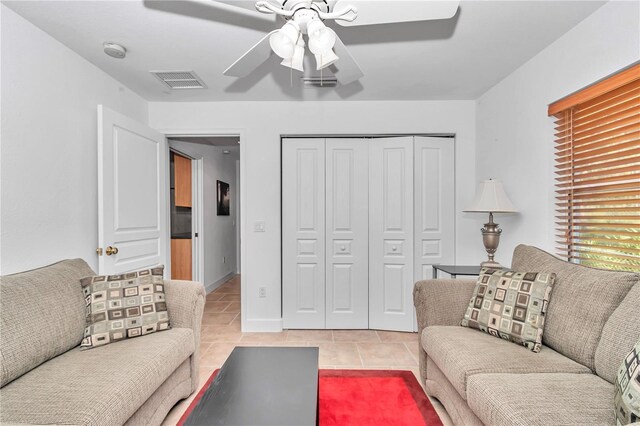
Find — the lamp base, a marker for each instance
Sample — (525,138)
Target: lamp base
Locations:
(491,238)
(490,264)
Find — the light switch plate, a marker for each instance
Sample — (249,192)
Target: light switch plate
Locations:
(259,226)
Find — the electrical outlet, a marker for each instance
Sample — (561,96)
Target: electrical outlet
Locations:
(262,292)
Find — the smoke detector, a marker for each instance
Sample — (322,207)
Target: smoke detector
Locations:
(114,50)
(179,79)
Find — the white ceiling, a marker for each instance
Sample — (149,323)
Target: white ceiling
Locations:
(459,58)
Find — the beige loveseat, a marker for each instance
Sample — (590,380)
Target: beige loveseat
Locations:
(592,322)
(46,379)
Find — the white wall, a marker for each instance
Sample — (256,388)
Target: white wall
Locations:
(219,232)
(514,135)
(49,147)
(262,123)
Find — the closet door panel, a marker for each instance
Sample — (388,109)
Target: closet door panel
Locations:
(303,233)
(347,233)
(434,204)
(391,234)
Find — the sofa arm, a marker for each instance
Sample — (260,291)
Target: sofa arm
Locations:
(185,303)
(441,302)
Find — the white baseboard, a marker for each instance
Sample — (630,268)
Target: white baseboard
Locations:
(210,287)
(262,325)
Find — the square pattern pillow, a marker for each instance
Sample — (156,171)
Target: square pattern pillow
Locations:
(627,398)
(510,305)
(124,306)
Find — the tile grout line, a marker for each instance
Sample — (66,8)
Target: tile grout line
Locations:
(360,355)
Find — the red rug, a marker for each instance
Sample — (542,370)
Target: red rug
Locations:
(363,398)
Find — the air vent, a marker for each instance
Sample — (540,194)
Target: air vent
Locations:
(319,81)
(179,79)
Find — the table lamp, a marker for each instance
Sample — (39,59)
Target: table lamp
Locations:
(491,199)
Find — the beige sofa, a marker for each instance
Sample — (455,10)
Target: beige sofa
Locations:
(593,321)
(46,379)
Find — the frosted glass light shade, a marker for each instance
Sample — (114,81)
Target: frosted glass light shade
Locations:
(491,198)
(296,61)
(283,42)
(321,38)
(326,58)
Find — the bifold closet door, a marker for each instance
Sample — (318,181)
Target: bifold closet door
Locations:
(347,232)
(391,234)
(434,204)
(303,233)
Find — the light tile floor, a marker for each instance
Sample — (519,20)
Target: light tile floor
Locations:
(343,349)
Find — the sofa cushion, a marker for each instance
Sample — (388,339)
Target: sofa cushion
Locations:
(627,399)
(620,333)
(583,299)
(462,352)
(510,305)
(43,315)
(541,399)
(103,386)
(124,306)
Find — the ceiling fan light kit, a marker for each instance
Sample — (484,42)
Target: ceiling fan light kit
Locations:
(321,38)
(305,17)
(326,58)
(296,61)
(283,42)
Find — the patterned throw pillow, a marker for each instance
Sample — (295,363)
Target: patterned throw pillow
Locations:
(627,399)
(124,306)
(510,305)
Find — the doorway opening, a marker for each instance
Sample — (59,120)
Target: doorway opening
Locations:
(205,208)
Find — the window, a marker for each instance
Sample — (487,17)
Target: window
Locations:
(597,173)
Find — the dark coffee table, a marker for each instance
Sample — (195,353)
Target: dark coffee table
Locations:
(262,386)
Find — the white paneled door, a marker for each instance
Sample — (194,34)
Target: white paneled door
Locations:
(132,202)
(347,232)
(303,233)
(434,204)
(391,234)
(363,219)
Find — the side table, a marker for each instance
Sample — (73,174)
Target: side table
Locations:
(455,270)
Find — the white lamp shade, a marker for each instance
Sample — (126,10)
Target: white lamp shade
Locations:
(296,61)
(283,42)
(326,58)
(491,198)
(321,38)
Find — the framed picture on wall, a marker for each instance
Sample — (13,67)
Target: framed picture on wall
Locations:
(223,198)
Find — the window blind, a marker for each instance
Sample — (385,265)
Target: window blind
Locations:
(597,173)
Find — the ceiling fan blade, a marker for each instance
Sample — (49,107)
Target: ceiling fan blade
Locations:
(246,4)
(248,62)
(346,69)
(215,11)
(372,12)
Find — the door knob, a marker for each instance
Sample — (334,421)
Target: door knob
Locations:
(111,250)
(343,248)
(394,248)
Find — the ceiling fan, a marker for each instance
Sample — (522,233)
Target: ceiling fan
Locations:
(305,17)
